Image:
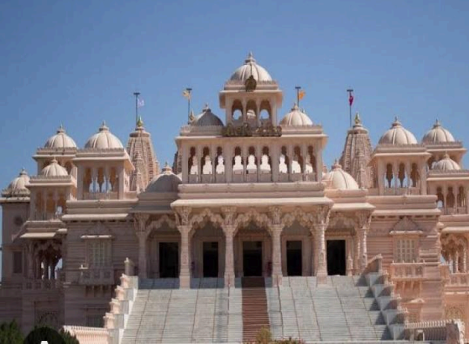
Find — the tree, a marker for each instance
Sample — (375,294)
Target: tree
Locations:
(10,333)
(68,338)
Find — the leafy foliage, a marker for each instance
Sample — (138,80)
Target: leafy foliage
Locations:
(10,333)
(264,336)
(68,338)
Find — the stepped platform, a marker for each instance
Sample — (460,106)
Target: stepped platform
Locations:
(344,310)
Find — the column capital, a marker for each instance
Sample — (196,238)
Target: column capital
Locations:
(276,228)
(184,229)
(182,216)
(228,229)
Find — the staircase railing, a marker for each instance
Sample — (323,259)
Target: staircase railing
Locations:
(450,331)
(89,335)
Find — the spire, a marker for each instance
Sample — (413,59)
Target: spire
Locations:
(140,122)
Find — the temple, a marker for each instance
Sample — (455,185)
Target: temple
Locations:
(247,207)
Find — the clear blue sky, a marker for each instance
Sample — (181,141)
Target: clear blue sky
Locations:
(78,62)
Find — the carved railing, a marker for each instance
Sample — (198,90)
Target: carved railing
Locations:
(453,211)
(374,264)
(100,195)
(252,178)
(448,331)
(89,335)
(42,284)
(406,271)
(458,279)
(401,191)
(96,276)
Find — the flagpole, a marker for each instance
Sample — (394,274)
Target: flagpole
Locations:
(350,105)
(298,88)
(189,90)
(136,94)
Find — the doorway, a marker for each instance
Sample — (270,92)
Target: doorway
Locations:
(294,258)
(336,263)
(210,259)
(252,258)
(169,259)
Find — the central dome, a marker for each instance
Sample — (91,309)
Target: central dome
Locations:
(249,68)
(398,135)
(103,139)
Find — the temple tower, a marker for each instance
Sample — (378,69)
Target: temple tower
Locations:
(142,155)
(357,154)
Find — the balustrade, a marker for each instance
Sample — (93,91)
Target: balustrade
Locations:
(42,284)
(251,178)
(459,279)
(96,276)
(407,271)
(453,211)
(402,191)
(100,195)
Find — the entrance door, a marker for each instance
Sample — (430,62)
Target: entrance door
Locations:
(252,258)
(210,259)
(336,257)
(169,259)
(294,258)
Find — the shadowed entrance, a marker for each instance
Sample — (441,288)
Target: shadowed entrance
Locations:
(169,259)
(252,258)
(336,264)
(210,259)
(294,258)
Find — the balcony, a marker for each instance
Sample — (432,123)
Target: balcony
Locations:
(96,276)
(100,195)
(453,211)
(401,191)
(458,279)
(251,178)
(42,284)
(407,271)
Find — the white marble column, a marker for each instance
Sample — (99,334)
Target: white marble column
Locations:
(229,275)
(276,232)
(364,251)
(321,264)
(142,249)
(184,272)
(456,262)
(319,164)
(121,190)
(357,253)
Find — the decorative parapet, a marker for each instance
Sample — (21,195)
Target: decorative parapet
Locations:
(448,331)
(458,279)
(96,276)
(89,335)
(406,271)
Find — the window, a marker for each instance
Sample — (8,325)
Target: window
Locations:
(17,262)
(99,253)
(405,250)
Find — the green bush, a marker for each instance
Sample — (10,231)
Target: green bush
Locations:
(68,338)
(264,336)
(10,333)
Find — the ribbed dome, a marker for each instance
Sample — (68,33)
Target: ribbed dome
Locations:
(54,170)
(398,135)
(249,68)
(17,187)
(103,139)
(446,164)
(207,118)
(339,179)
(60,140)
(167,181)
(438,134)
(296,118)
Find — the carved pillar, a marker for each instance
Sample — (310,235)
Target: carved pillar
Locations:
(423,179)
(381,175)
(228,155)
(349,257)
(395,174)
(121,190)
(276,232)
(274,154)
(321,269)
(364,220)
(30,256)
(80,177)
(142,234)
(356,257)
(319,164)
(184,272)
(229,275)
(464,259)
(456,261)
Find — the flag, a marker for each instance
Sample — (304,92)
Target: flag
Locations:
(186,94)
(301,94)
(140,102)
(350,99)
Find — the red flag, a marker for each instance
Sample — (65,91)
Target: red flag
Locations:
(350,99)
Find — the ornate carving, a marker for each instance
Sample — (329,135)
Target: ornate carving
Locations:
(266,130)
(140,221)
(405,224)
(276,214)
(182,217)
(155,224)
(364,220)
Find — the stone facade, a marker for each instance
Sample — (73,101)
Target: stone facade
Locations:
(249,198)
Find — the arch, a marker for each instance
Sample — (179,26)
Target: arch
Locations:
(192,162)
(206,161)
(266,162)
(440,200)
(297,162)
(389,175)
(401,175)
(220,161)
(238,161)
(265,111)
(237,111)
(251,166)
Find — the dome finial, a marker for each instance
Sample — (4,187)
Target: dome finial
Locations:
(396,121)
(358,120)
(250,58)
(103,126)
(23,172)
(61,129)
(140,122)
(167,169)
(206,107)
(295,107)
(437,124)
(336,165)
(446,155)
(191,116)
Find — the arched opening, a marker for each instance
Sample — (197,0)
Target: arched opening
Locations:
(284,161)
(39,206)
(206,162)
(265,111)
(297,162)
(430,162)
(389,175)
(440,200)
(450,199)
(68,167)
(251,111)
(401,175)
(237,111)
(194,169)
(265,161)
(220,168)
(461,197)
(50,205)
(251,167)
(414,175)
(238,162)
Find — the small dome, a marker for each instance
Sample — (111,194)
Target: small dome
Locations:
(60,140)
(339,179)
(167,181)
(17,187)
(249,68)
(54,170)
(438,134)
(296,118)
(207,118)
(398,135)
(103,139)
(446,164)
